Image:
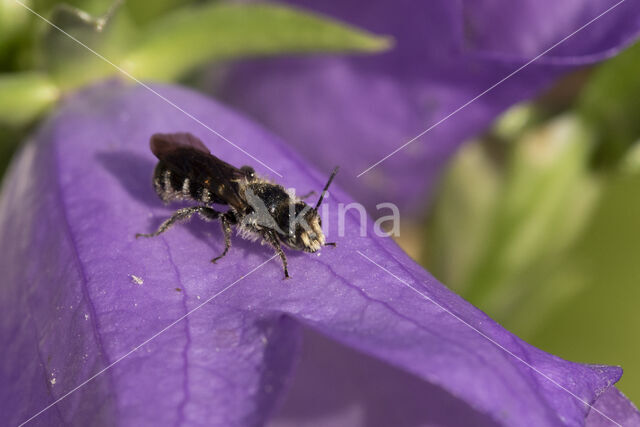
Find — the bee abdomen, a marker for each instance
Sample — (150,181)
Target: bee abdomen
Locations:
(171,185)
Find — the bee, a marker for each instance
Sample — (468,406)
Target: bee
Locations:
(258,208)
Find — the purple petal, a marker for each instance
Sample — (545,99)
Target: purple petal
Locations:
(80,293)
(446,54)
(334,385)
(612,401)
(522,30)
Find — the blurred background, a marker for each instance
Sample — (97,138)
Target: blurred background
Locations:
(536,220)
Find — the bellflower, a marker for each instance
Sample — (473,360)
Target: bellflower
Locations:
(361,335)
(446,54)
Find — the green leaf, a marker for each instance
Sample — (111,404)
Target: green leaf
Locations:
(24,96)
(499,230)
(70,63)
(144,11)
(89,7)
(194,36)
(13,19)
(600,323)
(457,230)
(606,103)
(16,24)
(542,207)
(515,121)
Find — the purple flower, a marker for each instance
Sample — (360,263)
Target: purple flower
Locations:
(371,337)
(362,108)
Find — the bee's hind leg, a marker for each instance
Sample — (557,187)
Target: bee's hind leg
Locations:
(183,215)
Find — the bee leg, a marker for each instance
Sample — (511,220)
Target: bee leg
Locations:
(331,244)
(309,194)
(226,229)
(181,215)
(275,243)
(209,214)
(283,257)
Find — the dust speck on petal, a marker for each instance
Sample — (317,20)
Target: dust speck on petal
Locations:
(136,279)
(86,316)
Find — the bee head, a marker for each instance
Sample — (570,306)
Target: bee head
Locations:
(305,230)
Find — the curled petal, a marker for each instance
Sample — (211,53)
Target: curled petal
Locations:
(454,67)
(152,333)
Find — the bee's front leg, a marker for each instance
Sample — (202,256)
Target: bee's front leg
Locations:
(272,239)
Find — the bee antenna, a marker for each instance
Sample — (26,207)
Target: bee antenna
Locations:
(326,187)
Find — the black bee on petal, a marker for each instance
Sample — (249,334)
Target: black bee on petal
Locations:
(258,208)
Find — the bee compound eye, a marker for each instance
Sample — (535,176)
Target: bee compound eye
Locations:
(248,171)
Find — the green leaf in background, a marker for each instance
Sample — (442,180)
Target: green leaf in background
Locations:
(467,201)
(72,65)
(13,19)
(16,36)
(89,7)
(145,11)
(518,119)
(610,103)
(191,37)
(24,96)
(545,244)
(498,232)
(160,40)
(602,319)
(457,231)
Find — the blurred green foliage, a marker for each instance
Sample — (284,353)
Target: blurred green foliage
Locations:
(538,222)
(24,96)
(607,105)
(160,53)
(600,322)
(160,40)
(500,229)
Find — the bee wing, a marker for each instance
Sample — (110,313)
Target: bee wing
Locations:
(187,155)
(164,143)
